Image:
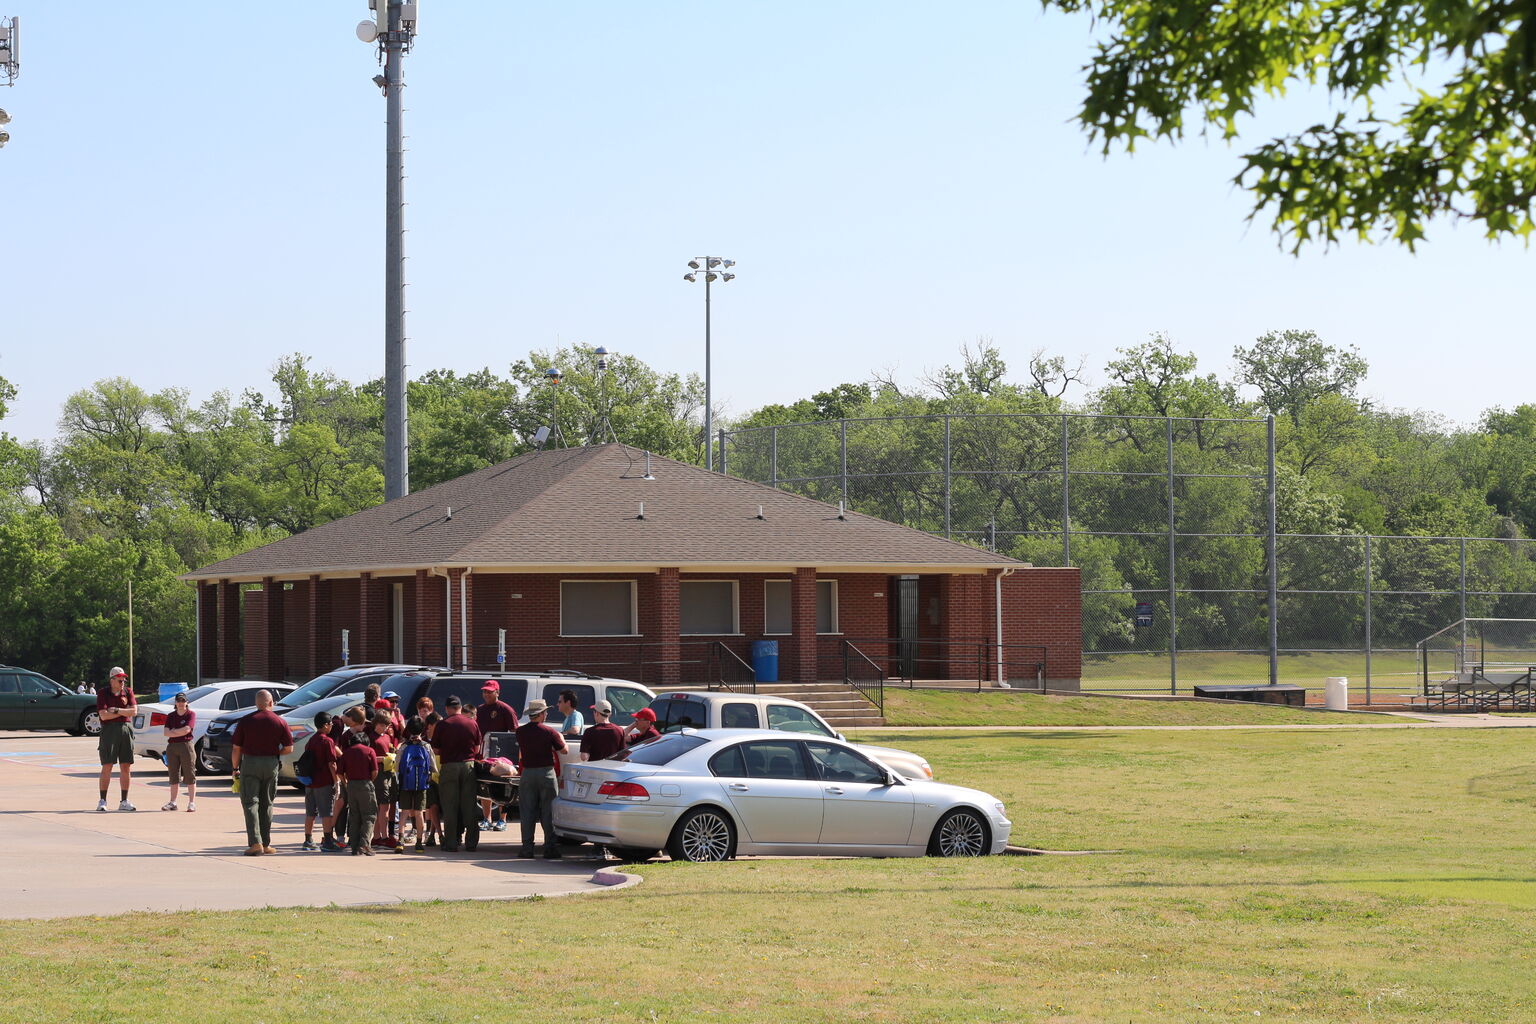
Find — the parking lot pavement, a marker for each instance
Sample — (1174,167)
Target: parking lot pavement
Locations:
(62,858)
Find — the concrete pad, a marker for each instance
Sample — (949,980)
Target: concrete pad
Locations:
(62,858)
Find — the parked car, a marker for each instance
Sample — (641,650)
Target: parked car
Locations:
(713,794)
(30,700)
(439,684)
(301,722)
(693,710)
(208,701)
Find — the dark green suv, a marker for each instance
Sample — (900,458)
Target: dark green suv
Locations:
(32,701)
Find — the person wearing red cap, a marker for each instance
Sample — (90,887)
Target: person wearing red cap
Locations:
(493,715)
(115,707)
(644,730)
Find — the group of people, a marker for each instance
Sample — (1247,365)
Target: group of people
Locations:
(373,778)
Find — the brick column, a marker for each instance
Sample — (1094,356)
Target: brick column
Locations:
(319,656)
(668,625)
(369,644)
(802,617)
(272,602)
(229,630)
(208,630)
(961,609)
(429,620)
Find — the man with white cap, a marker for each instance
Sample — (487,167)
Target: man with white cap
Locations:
(539,747)
(604,739)
(115,707)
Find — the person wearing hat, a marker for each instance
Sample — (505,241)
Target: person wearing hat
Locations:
(457,742)
(115,707)
(539,747)
(604,739)
(493,715)
(644,730)
(179,761)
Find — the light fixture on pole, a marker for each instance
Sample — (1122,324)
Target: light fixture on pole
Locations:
(712,269)
(393,28)
(603,429)
(552,378)
(9,67)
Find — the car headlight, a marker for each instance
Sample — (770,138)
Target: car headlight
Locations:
(214,729)
(999,806)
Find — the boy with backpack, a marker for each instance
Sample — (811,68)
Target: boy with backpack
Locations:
(414,766)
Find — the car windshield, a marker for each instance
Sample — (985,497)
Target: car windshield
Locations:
(312,690)
(201,691)
(666,749)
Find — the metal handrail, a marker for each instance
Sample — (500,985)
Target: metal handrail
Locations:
(879,697)
(721,650)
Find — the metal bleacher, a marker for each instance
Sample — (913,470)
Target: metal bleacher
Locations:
(1480,665)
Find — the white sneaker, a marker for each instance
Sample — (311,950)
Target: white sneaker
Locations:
(126,806)
(169,805)
(191,806)
(101,804)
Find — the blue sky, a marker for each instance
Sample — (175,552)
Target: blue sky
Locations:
(193,190)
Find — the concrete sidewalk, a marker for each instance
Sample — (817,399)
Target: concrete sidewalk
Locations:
(63,858)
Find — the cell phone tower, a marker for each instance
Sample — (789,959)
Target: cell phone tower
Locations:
(393,28)
(10,68)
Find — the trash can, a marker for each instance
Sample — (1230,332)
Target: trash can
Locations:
(765,661)
(1336,693)
(168,691)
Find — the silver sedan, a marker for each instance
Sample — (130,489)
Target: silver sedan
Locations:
(711,794)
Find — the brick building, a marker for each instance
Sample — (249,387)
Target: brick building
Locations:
(614,561)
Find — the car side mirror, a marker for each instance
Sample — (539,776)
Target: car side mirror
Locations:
(890,778)
(841,737)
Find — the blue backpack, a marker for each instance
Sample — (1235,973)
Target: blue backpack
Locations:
(414,766)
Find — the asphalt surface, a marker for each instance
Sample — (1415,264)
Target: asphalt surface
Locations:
(63,858)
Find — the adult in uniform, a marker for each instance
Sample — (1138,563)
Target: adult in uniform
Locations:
(457,742)
(539,747)
(604,739)
(260,739)
(115,707)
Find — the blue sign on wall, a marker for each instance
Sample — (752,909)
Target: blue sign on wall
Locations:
(1143,614)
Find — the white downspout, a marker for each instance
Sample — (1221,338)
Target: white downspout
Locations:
(464,618)
(447,615)
(1002,673)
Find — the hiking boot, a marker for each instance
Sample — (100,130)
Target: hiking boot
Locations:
(254,850)
(367,851)
(169,805)
(126,806)
(269,849)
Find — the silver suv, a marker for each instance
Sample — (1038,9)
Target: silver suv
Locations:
(693,710)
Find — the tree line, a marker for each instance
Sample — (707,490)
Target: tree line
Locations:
(142,486)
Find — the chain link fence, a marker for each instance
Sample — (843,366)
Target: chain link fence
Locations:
(1174,524)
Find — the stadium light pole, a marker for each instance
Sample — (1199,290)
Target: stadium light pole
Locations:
(10,67)
(393,28)
(713,268)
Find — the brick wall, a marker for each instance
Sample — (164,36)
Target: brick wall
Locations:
(1045,606)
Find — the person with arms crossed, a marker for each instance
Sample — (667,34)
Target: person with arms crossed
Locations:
(179,760)
(115,706)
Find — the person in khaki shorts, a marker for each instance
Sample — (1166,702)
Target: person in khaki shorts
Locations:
(178,752)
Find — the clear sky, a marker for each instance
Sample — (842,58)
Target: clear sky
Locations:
(195,189)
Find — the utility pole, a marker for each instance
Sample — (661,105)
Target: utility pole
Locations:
(394,28)
(712,268)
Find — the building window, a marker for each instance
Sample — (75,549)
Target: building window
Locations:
(597,608)
(707,607)
(777,617)
(826,606)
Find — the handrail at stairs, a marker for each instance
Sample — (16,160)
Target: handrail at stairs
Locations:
(852,658)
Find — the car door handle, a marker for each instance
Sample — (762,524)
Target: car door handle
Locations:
(835,789)
(740,787)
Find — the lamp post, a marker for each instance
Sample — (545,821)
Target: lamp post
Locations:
(713,268)
(394,28)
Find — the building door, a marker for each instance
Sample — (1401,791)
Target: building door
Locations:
(904,611)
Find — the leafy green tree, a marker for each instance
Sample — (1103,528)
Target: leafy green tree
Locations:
(1437,102)
(1293,369)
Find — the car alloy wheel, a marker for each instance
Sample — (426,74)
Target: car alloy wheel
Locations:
(90,722)
(962,833)
(205,765)
(704,835)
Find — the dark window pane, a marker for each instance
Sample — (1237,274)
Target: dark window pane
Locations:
(768,759)
(597,608)
(729,763)
(740,716)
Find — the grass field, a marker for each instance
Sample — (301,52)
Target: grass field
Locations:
(1333,876)
(954,707)
(1392,672)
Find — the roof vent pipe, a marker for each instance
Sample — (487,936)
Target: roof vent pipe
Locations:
(840,511)
(759,511)
(642,511)
(647,470)
(450,512)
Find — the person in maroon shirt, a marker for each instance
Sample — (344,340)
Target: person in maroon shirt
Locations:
(644,729)
(604,739)
(114,708)
(457,742)
(539,747)
(260,739)
(360,766)
(179,760)
(320,794)
(382,739)
(493,715)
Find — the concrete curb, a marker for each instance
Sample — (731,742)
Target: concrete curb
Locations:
(1030,851)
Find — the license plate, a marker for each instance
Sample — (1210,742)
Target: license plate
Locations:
(579,790)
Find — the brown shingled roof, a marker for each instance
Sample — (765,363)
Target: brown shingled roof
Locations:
(577,508)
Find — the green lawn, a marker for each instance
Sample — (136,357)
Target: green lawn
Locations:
(1392,672)
(1324,877)
(961,707)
